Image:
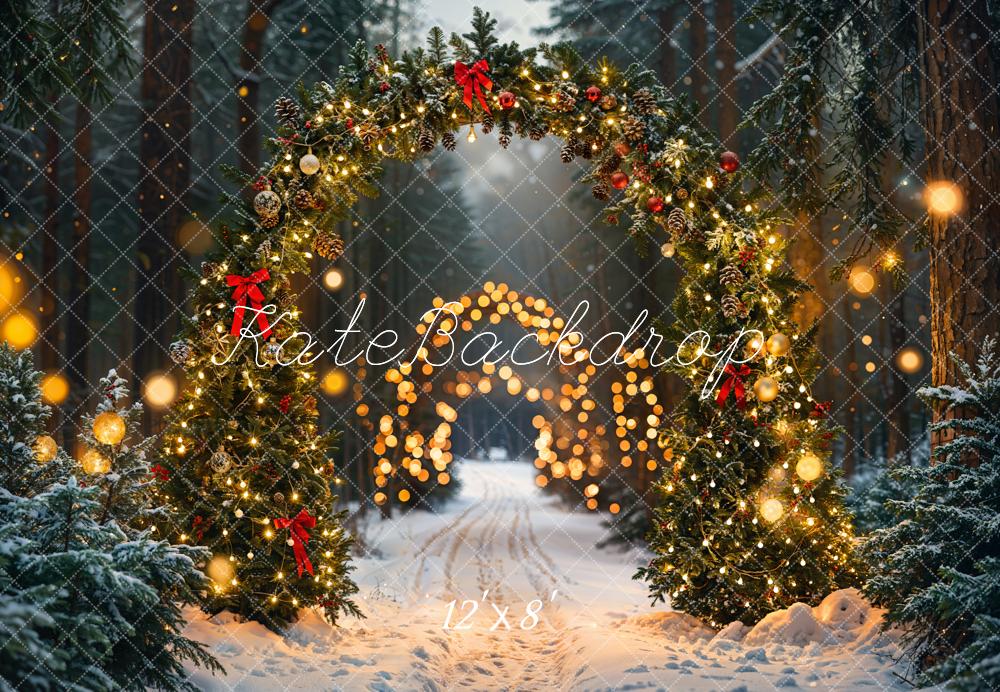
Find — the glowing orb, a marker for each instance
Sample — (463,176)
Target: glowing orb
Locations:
(55,388)
(8,288)
(766,389)
(160,390)
(809,467)
(109,428)
(778,344)
(194,237)
(19,330)
(910,360)
(862,280)
(943,198)
(220,570)
(93,462)
(333,279)
(771,510)
(335,382)
(45,449)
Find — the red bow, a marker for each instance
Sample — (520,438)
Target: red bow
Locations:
(160,473)
(474,78)
(297,528)
(735,385)
(246,287)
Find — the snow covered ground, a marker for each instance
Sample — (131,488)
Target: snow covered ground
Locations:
(503,544)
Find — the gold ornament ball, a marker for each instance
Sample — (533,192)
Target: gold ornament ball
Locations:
(809,467)
(778,344)
(109,428)
(771,510)
(766,389)
(45,449)
(309,164)
(93,462)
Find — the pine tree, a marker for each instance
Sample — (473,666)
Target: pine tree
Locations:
(936,569)
(29,458)
(87,608)
(129,494)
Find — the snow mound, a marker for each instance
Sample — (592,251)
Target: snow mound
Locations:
(843,617)
(672,624)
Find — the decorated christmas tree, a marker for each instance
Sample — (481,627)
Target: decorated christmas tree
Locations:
(751,515)
(30,459)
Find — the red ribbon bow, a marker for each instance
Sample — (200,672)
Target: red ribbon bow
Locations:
(297,528)
(246,287)
(474,79)
(160,473)
(735,385)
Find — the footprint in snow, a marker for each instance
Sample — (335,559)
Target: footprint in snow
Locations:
(746,669)
(786,681)
(420,652)
(637,669)
(352,660)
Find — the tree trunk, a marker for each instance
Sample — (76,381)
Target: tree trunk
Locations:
(725,57)
(668,56)
(897,402)
(248,87)
(699,60)
(961,115)
(164,156)
(78,316)
(851,420)
(49,345)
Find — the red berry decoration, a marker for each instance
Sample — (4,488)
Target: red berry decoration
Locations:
(619,180)
(654,204)
(593,93)
(729,161)
(383,87)
(507,100)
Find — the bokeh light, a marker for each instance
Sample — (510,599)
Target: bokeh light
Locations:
(943,198)
(160,390)
(862,280)
(19,330)
(910,359)
(771,510)
(55,388)
(9,292)
(194,237)
(220,570)
(333,279)
(335,382)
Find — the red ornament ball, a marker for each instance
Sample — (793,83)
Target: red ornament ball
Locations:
(619,180)
(729,161)
(654,204)
(622,148)
(593,93)
(507,100)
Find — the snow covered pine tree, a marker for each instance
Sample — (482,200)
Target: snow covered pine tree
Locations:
(84,604)
(938,569)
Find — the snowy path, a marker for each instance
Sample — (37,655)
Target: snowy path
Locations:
(503,545)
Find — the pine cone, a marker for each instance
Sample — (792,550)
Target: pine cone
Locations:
(303,199)
(328,245)
(633,129)
(676,220)
(269,221)
(567,153)
(506,132)
(608,165)
(425,139)
(643,101)
(287,111)
(608,102)
(681,193)
(536,131)
(368,133)
(209,269)
(731,276)
(732,306)
(564,102)
(181,351)
(487,123)
(264,251)
(601,191)
(448,141)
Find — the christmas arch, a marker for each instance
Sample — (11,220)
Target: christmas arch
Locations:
(751,517)
(572,442)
